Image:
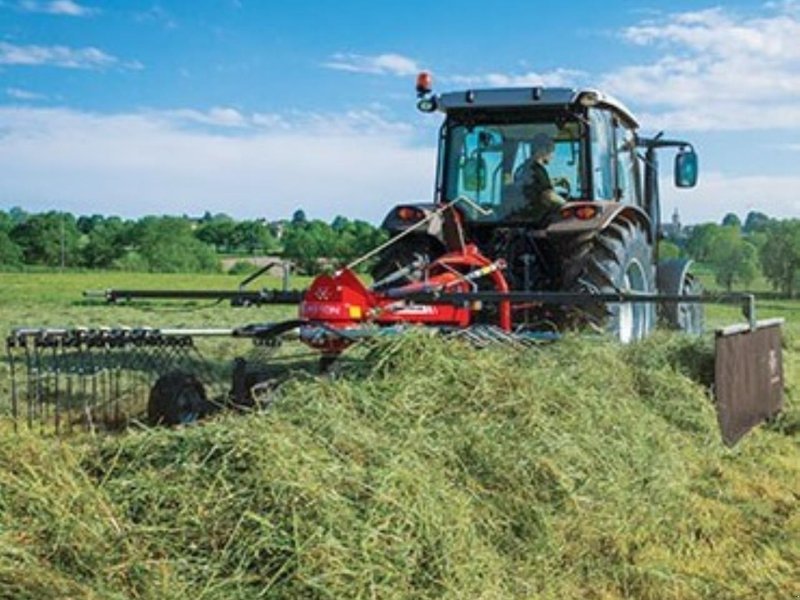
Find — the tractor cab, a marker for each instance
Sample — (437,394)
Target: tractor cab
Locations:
(489,139)
(599,166)
(555,184)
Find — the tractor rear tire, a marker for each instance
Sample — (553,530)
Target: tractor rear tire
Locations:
(618,259)
(177,398)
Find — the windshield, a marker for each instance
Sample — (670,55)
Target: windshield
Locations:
(487,163)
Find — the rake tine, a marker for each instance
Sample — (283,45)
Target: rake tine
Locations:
(82,380)
(13,372)
(70,397)
(39,404)
(29,391)
(108,379)
(57,369)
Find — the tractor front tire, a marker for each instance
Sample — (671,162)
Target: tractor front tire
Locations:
(691,315)
(618,259)
(177,398)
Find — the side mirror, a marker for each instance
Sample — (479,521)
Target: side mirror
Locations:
(686,169)
(474,173)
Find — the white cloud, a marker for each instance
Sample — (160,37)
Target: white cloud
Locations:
(717,194)
(58,56)
(368,122)
(57,7)
(218,116)
(719,70)
(381,64)
(267,164)
(556,78)
(132,164)
(20,94)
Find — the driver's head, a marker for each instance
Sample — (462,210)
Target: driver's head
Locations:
(543,147)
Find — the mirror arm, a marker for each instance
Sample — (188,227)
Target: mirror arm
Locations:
(659,142)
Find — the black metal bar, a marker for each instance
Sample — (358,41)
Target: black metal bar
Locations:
(237,297)
(433,296)
(283,265)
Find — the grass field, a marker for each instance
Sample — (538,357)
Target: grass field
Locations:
(578,470)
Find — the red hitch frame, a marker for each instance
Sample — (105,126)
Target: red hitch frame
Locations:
(341,301)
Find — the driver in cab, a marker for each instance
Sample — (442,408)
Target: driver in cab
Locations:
(541,200)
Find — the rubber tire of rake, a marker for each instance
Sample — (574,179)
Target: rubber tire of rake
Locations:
(176,398)
(605,263)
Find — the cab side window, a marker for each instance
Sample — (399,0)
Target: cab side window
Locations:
(603,151)
(628,187)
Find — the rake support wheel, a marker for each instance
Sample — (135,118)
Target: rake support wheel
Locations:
(176,398)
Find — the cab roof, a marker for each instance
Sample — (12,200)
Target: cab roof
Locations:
(531,97)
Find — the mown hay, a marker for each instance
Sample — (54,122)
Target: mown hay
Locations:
(435,471)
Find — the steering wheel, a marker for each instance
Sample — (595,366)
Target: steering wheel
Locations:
(563,183)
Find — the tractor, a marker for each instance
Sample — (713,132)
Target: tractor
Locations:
(602,239)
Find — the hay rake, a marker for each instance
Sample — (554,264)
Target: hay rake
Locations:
(88,377)
(71,377)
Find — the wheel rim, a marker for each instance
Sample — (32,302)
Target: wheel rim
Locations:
(633,316)
(187,410)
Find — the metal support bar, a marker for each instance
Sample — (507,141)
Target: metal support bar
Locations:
(237,297)
(574,298)
(284,266)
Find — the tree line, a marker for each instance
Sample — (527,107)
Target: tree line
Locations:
(738,252)
(175,244)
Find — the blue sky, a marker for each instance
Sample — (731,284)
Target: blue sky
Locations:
(258,108)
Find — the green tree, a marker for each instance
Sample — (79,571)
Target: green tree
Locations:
(733,258)
(700,240)
(731,220)
(339,223)
(254,236)
(168,244)
(755,222)
(309,242)
(48,238)
(299,217)
(87,224)
(107,242)
(217,230)
(10,253)
(17,215)
(780,255)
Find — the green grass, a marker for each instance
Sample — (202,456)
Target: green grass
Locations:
(577,470)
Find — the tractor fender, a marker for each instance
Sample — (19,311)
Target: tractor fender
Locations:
(405,216)
(607,213)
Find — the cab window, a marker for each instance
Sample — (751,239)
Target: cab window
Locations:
(486,163)
(628,186)
(603,154)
